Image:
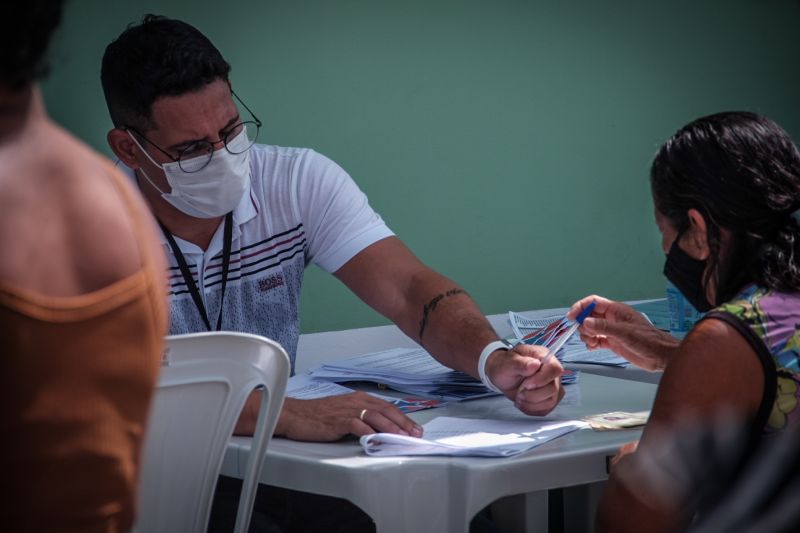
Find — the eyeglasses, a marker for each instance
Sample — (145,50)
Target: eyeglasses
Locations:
(197,155)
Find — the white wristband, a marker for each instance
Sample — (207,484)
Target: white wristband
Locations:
(489,350)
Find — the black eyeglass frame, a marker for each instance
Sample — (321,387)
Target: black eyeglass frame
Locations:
(224,140)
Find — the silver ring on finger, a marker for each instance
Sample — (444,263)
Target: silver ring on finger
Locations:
(361,416)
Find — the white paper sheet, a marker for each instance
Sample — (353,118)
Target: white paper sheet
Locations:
(471,437)
(304,387)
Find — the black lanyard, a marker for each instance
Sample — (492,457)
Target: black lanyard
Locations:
(187,276)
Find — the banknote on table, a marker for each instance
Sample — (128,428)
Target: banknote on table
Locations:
(617,420)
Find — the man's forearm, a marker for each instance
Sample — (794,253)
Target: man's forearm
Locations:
(428,307)
(449,324)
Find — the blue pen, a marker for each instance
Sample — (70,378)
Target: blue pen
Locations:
(567,334)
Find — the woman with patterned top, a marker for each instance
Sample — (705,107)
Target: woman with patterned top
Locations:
(726,190)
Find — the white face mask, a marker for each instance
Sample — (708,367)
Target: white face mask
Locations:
(213,191)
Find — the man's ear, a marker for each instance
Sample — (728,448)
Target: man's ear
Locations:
(695,240)
(123,147)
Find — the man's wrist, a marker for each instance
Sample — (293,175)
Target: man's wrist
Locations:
(285,417)
(484,357)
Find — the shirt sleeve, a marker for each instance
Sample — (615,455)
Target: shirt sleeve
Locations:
(337,216)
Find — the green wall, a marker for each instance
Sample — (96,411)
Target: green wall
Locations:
(506,142)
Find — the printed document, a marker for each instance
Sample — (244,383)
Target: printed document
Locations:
(545,331)
(304,387)
(471,437)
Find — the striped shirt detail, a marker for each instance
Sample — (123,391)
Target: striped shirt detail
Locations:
(263,255)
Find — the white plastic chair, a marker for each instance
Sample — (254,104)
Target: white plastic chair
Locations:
(203,385)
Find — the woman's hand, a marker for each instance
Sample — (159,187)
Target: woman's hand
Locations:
(620,328)
(625,449)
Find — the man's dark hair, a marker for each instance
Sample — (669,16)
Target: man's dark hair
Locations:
(741,171)
(159,57)
(25,30)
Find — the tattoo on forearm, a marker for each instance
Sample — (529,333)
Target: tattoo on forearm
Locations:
(431,306)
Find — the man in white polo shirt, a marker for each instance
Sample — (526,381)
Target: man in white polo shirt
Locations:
(241,221)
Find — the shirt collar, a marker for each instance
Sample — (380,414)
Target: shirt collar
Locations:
(247,209)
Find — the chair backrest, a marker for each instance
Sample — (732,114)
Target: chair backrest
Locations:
(204,382)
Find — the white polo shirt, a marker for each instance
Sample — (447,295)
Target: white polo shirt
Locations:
(301,208)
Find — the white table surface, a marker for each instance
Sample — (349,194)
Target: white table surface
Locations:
(442,494)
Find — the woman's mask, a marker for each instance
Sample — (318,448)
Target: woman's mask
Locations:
(686,273)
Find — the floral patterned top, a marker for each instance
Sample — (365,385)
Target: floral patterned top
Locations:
(770,321)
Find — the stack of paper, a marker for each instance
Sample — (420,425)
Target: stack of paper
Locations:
(569,376)
(656,311)
(303,387)
(471,437)
(409,370)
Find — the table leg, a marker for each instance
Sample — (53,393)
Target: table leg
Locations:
(580,506)
(522,513)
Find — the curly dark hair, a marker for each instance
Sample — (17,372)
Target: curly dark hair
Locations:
(741,171)
(159,57)
(25,30)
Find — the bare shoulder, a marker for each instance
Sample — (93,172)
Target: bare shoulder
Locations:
(74,223)
(714,369)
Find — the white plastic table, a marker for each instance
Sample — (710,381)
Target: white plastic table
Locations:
(442,494)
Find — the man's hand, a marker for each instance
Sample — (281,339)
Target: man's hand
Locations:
(623,330)
(330,419)
(533,387)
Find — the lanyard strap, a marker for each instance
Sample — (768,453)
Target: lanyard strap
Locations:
(187,276)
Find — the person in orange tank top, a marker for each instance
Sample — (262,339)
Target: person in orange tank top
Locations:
(82,308)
